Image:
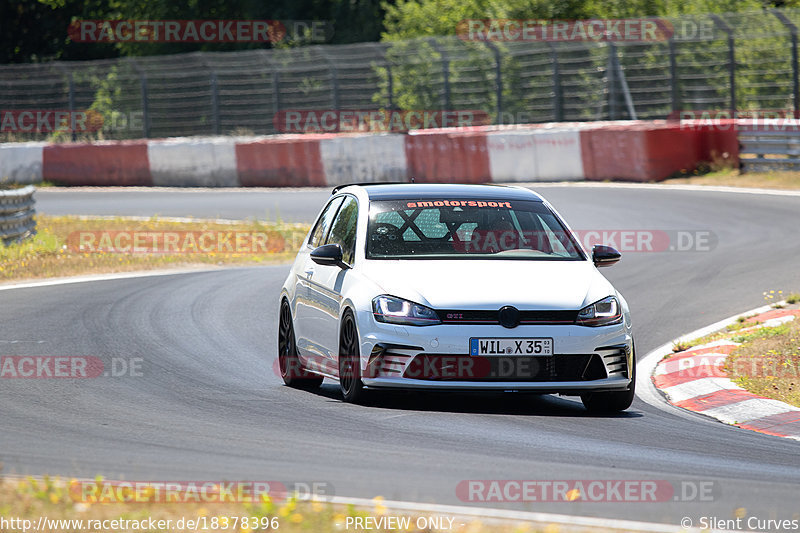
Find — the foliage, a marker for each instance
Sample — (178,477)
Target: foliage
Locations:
(36,30)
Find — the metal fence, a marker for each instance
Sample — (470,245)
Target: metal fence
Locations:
(769,150)
(733,61)
(16,214)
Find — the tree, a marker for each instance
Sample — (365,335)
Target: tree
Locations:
(37,30)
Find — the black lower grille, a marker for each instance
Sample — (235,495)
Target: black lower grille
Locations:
(439,367)
(491,317)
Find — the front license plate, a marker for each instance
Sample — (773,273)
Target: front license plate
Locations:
(506,346)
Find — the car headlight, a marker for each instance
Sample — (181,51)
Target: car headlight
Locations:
(398,311)
(603,313)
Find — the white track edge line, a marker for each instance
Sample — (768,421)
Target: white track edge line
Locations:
(109,277)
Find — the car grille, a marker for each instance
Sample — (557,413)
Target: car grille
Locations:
(442,367)
(456,316)
(389,360)
(615,359)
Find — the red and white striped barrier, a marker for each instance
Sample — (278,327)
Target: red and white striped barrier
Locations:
(632,150)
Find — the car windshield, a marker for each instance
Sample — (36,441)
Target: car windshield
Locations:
(468,228)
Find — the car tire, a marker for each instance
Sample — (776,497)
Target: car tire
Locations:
(612,402)
(350,360)
(291,369)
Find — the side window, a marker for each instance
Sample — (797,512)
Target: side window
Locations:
(324,222)
(343,231)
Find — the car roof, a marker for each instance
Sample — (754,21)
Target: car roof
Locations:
(404,191)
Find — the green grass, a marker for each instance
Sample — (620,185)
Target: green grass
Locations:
(768,362)
(711,337)
(52,252)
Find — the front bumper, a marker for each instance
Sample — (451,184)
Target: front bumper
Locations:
(549,387)
(585,359)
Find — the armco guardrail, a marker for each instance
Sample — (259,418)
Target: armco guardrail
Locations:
(769,150)
(16,214)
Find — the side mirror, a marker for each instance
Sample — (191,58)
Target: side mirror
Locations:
(328,254)
(604,256)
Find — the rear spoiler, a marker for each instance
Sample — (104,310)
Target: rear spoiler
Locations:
(363,184)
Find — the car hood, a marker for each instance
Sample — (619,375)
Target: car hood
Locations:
(491,284)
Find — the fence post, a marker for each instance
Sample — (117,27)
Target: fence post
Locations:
(795,77)
(72,104)
(334,76)
(558,98)
(389,80)
(276,83)
(445,71)
(611,77)
(70,97)
(498,79)
(276,90)
(623,82)
(215,102)
(731,58)
(145,110)
(673,75)
(143,89)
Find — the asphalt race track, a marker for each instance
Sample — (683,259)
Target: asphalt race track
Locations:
(208,405)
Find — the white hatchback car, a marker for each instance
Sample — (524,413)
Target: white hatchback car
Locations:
(453,287)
